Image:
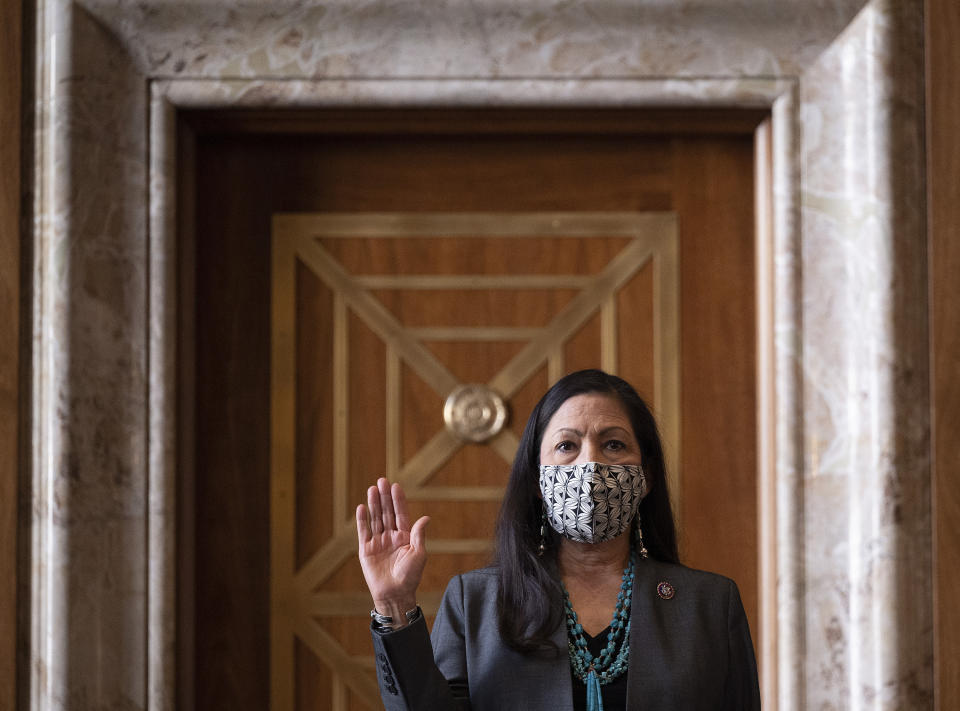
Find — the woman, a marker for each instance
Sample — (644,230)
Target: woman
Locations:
(585,605)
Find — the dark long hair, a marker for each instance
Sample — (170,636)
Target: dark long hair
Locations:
(529,606)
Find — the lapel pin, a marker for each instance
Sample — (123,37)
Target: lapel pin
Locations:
(665,590)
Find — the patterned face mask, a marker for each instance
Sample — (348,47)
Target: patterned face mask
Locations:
(591,502)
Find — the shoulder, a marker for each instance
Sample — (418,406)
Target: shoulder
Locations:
(472,581)
(481,574)
(478,580)
(701,577)
(470,595)
(704,603)
(700,583)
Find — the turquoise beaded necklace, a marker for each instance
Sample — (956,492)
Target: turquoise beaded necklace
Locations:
(601,670)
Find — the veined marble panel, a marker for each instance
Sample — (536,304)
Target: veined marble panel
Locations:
(852,530)
(89,587)
(474,38)
(866,414)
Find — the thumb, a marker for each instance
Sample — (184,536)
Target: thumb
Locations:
(417,539)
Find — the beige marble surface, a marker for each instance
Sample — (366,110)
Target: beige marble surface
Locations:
(90,441)
(851,543)
(474,38)
(204,93)
(866,422)
(164,393)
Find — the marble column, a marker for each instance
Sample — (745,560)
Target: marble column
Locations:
(89,559)
(866,524)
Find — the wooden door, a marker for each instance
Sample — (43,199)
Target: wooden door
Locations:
(363,401)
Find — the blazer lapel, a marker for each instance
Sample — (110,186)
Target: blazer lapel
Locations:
(650,642)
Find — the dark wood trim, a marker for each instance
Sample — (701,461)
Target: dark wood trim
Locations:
(943,176)
(10,116)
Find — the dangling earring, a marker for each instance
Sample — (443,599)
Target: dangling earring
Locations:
(638,534)
(543,534)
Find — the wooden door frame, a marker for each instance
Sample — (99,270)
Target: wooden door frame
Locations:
(11,34)
(943,175)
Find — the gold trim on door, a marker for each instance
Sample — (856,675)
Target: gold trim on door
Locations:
(296,237)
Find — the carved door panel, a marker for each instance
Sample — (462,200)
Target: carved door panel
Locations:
(377,319)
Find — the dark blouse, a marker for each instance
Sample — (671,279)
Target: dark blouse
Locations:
(614,693)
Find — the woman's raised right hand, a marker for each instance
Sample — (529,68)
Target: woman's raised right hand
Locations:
(392,552)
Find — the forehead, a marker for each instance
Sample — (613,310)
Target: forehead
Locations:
(589,411)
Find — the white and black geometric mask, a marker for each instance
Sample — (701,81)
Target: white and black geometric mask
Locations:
(591,502)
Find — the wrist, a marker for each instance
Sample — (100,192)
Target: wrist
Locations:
(395,606)
(399,612)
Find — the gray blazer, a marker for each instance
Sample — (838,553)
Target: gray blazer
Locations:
(690,652)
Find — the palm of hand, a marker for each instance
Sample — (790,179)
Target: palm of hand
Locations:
(391,564)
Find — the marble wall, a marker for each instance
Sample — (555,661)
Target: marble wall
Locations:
(90,359)
(849,551)
(868,626)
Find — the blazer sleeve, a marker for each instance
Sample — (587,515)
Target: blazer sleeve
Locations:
(407,671)
(742,691)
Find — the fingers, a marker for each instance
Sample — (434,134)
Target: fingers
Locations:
(386,505)
(417,538)
(400,507)
(386,510)
(373,504)
(363,525)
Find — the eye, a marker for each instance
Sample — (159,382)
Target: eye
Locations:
(616,445)
(565,446)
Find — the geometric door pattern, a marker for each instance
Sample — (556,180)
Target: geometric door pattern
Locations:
(376,318)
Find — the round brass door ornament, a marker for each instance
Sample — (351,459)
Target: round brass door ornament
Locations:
(474,413)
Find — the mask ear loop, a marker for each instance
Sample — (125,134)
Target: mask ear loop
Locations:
(543,534)
(638,529)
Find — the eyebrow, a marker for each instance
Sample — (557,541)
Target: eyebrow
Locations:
(578,433)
